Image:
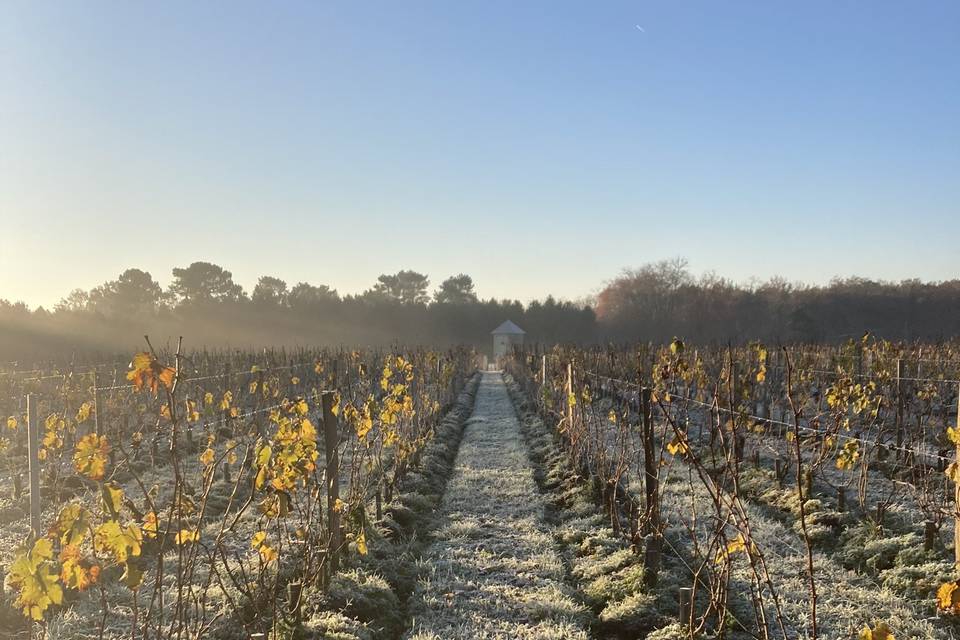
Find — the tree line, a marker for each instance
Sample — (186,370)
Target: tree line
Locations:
(204,304)
(664,299)
(654,302)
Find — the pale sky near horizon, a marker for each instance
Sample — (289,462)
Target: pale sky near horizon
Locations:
(540,147)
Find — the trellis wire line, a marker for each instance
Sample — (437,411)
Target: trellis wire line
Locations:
(865,376)
(213,376)
(312,396)
(782,423)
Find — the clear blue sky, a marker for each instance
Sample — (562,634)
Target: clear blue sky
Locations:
(539,147)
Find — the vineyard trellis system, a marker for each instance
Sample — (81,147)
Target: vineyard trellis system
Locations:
(786,433)
(188,493)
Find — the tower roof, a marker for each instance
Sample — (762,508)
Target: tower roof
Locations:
(508,328)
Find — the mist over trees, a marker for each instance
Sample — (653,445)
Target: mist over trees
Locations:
(205,305)
(653,302)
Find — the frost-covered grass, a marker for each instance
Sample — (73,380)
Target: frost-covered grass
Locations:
(493,569)
(367,599)
(604,568)
(846,600)
(888,577)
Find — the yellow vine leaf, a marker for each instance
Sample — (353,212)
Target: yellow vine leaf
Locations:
(880,632)
(151,525)
(207,457)
(362,543)
(91,456)
(75,571)
(84,412)
(193,414)
(336,403)
(301,407)
(849,455)
(678,446)
(186,536)
(111,499)
(132,575)
(72,524)
(231,452)
(953,472)
(259,543)
(12,423)
(33,576)
(737,545)
(948,597)
(953,435)
(121,542)
(146,371)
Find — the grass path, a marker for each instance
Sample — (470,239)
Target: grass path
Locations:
(494,572)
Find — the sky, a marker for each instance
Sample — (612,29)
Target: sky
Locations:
(540,147)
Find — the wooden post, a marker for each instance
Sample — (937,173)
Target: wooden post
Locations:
(929,535)
(97,404)
(33,447)
(956,498)
(778,471)
(899,415)
(331,439)
(841,499)
(379,503)
(543,380)
(651,558)
(225,413)
(569,388)
(650,467)
(686,607)
(294,598)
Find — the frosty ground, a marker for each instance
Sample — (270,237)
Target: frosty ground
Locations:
(494,572)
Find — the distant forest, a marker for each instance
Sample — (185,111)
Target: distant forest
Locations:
(654,302)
